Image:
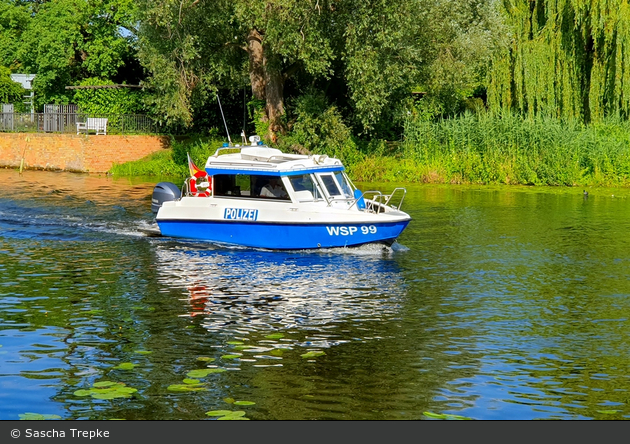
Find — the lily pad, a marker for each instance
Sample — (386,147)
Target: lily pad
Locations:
(229,400)
(83,393)
(277,352)
(235,343)
(219,412)
(143,352)
(205,359)
(227,415)
(191,381)
(202,373)
(444,416)
(230,356)
(186,388)
(37,416)
(244,403)
(109,395)
(313,354)
(101,384)
(126,366)
(608,412)
(275,336)
(107,390)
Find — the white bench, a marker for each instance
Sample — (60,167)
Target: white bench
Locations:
(98,124)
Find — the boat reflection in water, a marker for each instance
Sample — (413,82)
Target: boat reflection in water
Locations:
(244,292)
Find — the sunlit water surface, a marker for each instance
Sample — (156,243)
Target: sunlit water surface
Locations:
(496,303)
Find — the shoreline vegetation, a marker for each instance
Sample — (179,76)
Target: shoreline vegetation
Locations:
(481,148)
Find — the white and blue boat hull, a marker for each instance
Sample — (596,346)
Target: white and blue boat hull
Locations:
(260,197)
(284,236)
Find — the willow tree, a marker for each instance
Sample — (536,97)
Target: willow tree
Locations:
(192,47)
(564,58)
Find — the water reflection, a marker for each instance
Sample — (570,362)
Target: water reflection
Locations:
(506,303)
(249,291)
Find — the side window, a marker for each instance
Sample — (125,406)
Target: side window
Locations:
(231,185)
(270,187)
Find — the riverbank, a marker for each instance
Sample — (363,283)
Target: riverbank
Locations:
(76,153)
(472,149)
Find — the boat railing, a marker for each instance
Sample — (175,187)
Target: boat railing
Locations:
(186,188)
(376,201)
(390,199)
(227,148)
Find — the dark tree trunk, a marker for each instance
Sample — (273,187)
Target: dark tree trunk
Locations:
(267,83)
(256,64)
(274,91)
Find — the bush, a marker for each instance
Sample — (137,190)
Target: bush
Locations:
(317,127)
(108,100)
(10,91)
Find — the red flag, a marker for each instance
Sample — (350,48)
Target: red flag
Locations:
(194,169)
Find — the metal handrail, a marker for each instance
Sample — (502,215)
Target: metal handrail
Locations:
(389,198)
(378,199)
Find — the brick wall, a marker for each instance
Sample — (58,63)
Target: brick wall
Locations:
(70,152)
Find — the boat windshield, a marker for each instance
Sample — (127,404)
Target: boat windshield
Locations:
(343,181)
(336,185)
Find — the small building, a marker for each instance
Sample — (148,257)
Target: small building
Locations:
(26,80)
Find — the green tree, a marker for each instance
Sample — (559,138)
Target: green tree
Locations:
(14,19)
(371,49)
(70,40)
(564,58)
(10,91)
(107,100)
(464,36)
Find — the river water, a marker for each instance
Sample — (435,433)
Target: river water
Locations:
(495,303)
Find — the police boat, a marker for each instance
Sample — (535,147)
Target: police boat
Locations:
(257,196)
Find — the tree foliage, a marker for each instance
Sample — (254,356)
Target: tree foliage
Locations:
(66,41)
(107,100)
(10,91)
(367,53)
(564,58)
(464,34)
(14,19)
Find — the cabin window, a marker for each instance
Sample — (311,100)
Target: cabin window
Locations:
(245,185)
(270,187)
(231,185)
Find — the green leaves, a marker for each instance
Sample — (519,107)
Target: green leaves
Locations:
(227,415)
(107,390)
(37,416)
(202,373)
(10,91)
(66,41)
(312,354)
(444,416)
(108,100)
(125,366)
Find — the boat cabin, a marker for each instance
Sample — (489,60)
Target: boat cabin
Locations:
(267,173)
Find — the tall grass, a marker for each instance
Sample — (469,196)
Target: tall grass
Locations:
(172,162)
(487,149)
(473,149)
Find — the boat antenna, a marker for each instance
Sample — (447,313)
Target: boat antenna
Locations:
(224,122)
(243,134)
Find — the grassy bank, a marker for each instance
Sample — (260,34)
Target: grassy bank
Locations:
(481,149)
(473,149)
